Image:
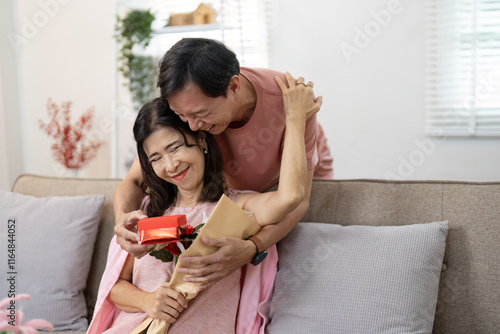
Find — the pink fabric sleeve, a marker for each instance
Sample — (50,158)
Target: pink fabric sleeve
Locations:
(104,311)
(324,168)
(256,294)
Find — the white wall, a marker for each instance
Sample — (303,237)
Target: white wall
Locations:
(373,105)
(4,170)
(373,100)
(11,139)
(66,52)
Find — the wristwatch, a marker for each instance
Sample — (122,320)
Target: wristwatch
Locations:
(261,253)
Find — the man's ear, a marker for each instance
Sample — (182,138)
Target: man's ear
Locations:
(234,84)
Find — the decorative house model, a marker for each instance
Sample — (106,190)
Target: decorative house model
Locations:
(204,14)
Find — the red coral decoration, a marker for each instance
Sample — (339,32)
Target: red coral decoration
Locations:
(70,146)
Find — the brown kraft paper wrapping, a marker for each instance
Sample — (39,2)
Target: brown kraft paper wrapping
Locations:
(227,220)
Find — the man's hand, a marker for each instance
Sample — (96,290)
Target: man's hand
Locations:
(126,233)
(232,254)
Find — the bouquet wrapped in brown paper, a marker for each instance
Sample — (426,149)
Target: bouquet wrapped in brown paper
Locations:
(226,220)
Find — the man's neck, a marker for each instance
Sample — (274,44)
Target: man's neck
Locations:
(248,99)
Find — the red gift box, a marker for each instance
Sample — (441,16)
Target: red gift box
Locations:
(159,230)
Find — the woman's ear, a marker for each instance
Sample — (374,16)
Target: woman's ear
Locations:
(202,139)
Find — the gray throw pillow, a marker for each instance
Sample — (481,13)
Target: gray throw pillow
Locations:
(51,242)
(358,279)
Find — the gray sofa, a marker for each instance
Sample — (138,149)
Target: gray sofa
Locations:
(469,288)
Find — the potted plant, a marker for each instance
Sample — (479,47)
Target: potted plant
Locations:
(134,32)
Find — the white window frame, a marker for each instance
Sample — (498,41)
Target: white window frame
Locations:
(462,68)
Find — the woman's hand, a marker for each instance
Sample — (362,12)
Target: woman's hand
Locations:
(165,303)
(126,233)
(298,97)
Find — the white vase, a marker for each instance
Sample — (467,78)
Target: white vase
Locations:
(72,172)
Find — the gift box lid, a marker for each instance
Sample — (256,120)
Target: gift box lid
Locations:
(161,222)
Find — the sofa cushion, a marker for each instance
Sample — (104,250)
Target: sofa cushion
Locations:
(53,241)
(358,279)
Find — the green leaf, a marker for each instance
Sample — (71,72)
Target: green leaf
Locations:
(162,254)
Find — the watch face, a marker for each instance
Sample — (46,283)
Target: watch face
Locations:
(259,258)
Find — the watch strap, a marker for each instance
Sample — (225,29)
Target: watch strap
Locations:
(258,244)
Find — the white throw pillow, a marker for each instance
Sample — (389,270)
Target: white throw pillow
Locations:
(52,241)
(358,279)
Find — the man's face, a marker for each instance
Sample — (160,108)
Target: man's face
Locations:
(200,111)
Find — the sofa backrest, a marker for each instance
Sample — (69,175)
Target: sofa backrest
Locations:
(469,293)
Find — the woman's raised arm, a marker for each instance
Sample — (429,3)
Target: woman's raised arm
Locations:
(272,207)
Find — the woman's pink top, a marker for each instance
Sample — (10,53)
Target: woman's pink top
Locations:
(226,307)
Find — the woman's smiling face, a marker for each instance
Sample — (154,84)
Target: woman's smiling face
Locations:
(176,161)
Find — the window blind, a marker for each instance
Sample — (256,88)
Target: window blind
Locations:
(462,68)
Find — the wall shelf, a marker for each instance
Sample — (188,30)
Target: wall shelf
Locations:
(187,28)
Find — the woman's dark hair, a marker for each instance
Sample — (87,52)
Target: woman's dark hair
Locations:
(154,115)
(207,63)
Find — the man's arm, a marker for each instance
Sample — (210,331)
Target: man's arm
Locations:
(234,253)
(126,202)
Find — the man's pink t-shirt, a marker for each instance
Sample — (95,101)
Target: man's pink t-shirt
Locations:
(252,153)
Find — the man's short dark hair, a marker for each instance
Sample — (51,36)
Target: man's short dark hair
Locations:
(205,62)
